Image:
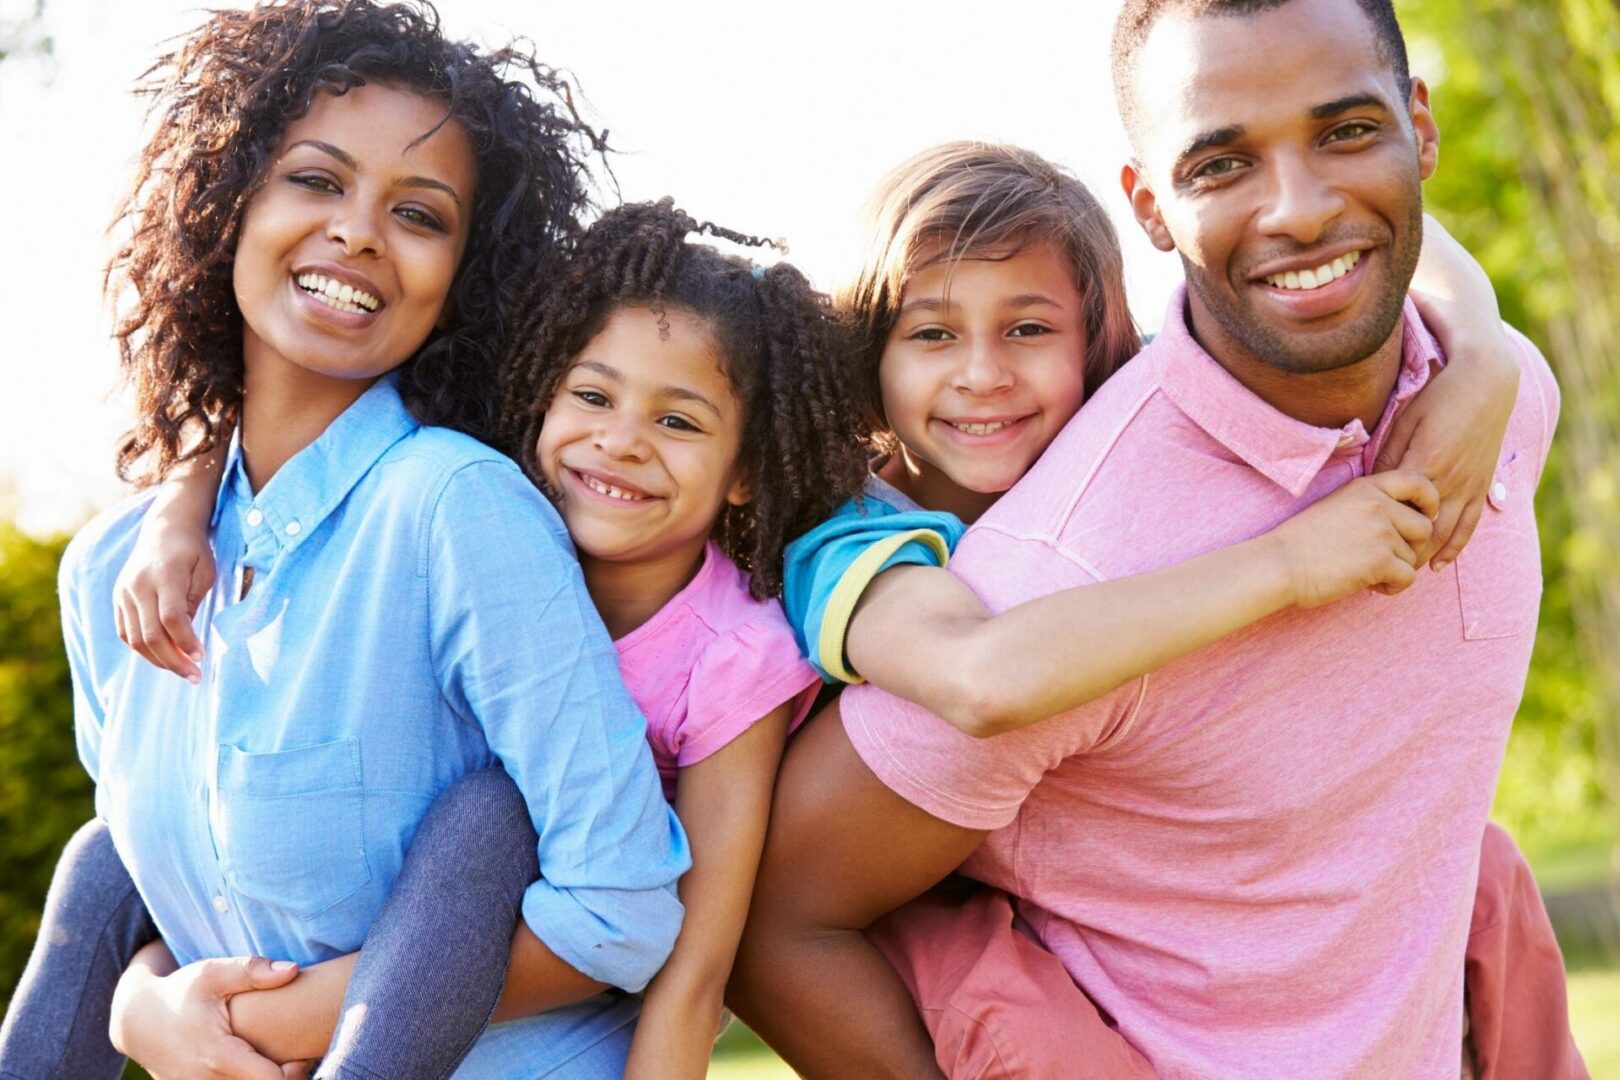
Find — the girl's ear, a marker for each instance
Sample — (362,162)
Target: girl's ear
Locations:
(740,494)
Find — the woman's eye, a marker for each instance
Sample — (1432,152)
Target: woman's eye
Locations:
(678,423)
(315,182)
(592,397)
(419,217)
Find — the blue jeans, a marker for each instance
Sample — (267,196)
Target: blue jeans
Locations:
(429,974)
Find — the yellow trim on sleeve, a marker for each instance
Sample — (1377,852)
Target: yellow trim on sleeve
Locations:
(847,593)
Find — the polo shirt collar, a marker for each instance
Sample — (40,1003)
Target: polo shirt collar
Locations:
(312,483)
(1286,451)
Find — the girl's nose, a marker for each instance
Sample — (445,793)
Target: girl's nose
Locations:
(984,369)
(621,439)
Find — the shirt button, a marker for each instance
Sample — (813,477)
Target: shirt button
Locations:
(293,528)
(255,517)
(220,905)
(1499,493)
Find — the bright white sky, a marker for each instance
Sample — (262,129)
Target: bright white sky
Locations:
(775,119)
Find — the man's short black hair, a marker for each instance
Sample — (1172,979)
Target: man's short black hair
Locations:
(1138,17)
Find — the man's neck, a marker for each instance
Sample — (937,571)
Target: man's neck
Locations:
(1328,399)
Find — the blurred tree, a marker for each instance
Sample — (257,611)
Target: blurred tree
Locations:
(23,35)
(1526,93)
(44,792)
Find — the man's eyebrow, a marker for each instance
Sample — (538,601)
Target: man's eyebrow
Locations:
(1209,140)
(348,159)
(1345,104)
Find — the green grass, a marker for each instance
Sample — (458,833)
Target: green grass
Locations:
(1594,1015)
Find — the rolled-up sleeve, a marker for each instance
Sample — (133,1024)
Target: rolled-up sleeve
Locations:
(519,649)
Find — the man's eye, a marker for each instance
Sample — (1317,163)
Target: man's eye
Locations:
(592,397)
(1221,166)
(1351,131)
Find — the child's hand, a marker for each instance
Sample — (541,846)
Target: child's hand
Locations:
(1366,535)
(157,594)
(177,1026)
(1452,433)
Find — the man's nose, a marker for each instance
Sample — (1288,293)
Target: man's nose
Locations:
(1301,203)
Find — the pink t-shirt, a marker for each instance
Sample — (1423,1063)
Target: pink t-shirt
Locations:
(1260,860)
(709,664)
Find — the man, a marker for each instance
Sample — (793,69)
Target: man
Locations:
(1250,861)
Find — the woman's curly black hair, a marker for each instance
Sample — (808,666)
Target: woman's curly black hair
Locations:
(784,349)
(221,102)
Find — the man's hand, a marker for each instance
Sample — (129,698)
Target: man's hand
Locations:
(177,1026)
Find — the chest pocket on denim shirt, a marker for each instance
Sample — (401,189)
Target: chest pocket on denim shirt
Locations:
(289,825)
(1499,572)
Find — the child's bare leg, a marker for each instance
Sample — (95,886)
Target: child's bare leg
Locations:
(1518,1005)
(995,1003)
(433,964)
(93,923)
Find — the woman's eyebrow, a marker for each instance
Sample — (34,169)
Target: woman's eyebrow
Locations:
(348,159)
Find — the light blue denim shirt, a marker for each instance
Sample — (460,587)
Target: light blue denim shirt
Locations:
(397,607)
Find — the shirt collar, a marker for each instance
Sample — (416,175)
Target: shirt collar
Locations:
(1286,451)
(315,480)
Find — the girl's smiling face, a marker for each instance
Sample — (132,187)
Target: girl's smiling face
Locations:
(348,249)
(640,443)
(982,368)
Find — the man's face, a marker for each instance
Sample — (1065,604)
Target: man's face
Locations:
(1278,157)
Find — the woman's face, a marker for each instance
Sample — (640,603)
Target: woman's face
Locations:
(348,250)
(982,369)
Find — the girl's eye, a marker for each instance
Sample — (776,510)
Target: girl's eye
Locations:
(678,423)
(592,397)
(316,182)
(1029,330)
(420,217)
(930,333)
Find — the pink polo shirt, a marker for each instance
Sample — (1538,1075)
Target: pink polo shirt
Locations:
(1260,860)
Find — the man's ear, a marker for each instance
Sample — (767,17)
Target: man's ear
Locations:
(1424,127)
(1145,205)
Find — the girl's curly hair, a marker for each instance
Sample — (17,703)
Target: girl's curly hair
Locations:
(221,102)
(784,349)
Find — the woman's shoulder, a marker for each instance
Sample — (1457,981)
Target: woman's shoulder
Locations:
(98,551)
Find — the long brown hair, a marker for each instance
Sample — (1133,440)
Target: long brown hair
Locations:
(974,199)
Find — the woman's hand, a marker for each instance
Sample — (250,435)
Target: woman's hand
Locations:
(1366,535)
(176,1024)
(157,593)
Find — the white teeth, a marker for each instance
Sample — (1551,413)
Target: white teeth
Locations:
(980,429)
(1315,279)
(608,489)
(337,294)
